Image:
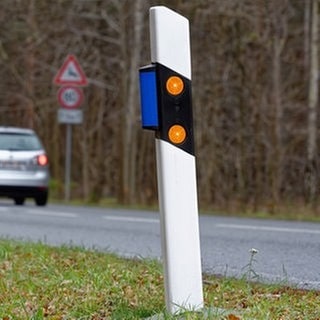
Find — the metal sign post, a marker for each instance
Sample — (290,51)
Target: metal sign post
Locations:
(165,88)
(67,173)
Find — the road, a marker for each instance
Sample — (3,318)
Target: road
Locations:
(288,252)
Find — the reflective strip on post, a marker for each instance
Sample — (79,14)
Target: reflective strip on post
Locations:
(177,134)
(149,97)
(174,85)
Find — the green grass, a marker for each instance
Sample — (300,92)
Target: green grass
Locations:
(42,282)
(295,211)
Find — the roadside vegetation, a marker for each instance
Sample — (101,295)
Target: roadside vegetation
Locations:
(297,212)
(42,282)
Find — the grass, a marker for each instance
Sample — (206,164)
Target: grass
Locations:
(295,211)
(42,282)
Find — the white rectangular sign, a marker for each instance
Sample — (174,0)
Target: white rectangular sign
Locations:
(72,116)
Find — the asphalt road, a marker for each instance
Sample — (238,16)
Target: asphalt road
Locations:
(288,252)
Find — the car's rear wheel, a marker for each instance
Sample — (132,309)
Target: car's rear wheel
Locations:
(19,201)
(41,199)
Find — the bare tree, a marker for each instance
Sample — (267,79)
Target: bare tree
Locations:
(312,168)
(130,146)
(255,139)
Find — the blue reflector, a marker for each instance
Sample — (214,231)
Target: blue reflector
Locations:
(148,97)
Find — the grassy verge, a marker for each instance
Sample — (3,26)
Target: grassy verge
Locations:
(41,282)
(287,211)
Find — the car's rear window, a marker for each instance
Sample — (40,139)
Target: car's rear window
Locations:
(19,141)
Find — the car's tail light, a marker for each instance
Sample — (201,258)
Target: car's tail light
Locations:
(42,160)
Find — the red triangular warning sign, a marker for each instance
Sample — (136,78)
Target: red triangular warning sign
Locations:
(70,73)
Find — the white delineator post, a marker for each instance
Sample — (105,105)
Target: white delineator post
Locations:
(176,169)
(179,229)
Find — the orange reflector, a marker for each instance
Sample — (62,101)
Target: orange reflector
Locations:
(177,134)
(174,85)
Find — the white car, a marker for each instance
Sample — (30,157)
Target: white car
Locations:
(24,169)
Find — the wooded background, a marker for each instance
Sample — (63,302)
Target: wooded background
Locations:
(255,96)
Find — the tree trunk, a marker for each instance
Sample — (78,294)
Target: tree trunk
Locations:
(30,63)
(130,114)
(278,145)
(312,103)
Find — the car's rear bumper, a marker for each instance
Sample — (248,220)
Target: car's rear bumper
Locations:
(18,191)
(23,184)
(24,179)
